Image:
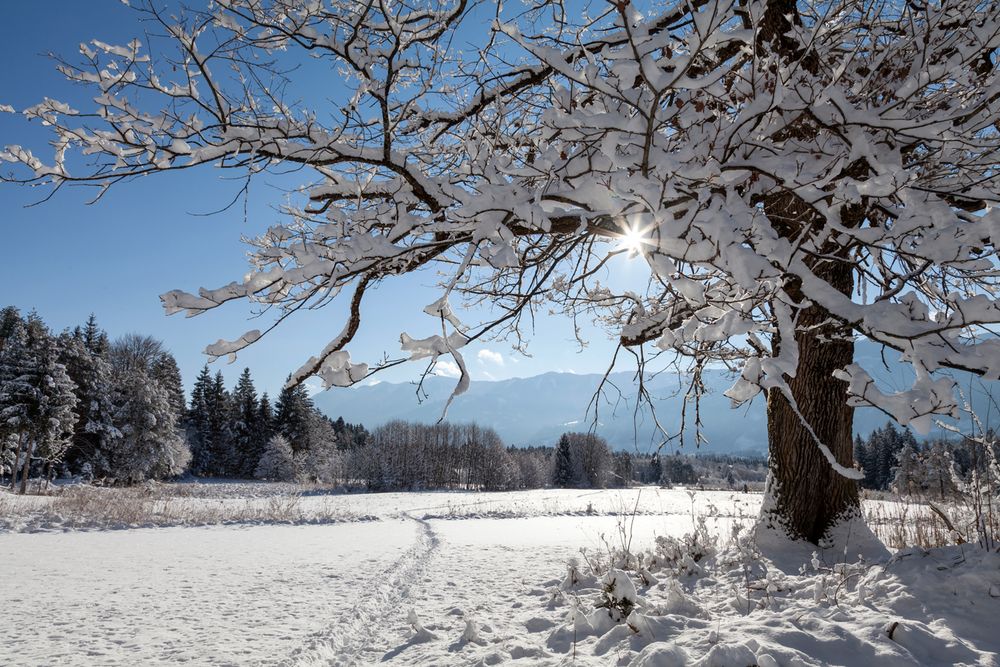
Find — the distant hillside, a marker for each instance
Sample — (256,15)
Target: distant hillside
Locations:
(536,410)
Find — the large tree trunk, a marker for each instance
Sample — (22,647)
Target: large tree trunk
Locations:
(806,495)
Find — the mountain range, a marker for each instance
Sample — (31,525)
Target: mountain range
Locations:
(536,410)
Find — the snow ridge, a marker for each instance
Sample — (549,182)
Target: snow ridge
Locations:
(344,642)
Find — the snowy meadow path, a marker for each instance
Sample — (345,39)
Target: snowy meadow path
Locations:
(481,579)
(336,594)
(369,608)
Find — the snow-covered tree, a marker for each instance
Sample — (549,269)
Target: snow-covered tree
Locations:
(535,468)
(95,338)
(11,325)
(165,372)
(196,423)
(907,478)
(795,175)
(277,462)
(878,453)
(95,410)
(209,426)
(36,398)
(938,472)
(499,469)
(293,414)
(219,405)
(247,443)
(148,442)
(562,471)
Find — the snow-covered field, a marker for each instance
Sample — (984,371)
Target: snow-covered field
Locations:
(478,579)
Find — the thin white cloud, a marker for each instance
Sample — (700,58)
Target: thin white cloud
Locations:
(448,369)
(490,357)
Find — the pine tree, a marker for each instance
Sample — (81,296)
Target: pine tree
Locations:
(11,325)
(219,406)
(562,475)
(149,442)
(350,436)
(265,422)
(36,398)
(10,322)
(165,371)
(197,424)
(247,444)
(293,413)
(94,338)
(95,425)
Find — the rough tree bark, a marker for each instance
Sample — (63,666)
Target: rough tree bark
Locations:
(807,495)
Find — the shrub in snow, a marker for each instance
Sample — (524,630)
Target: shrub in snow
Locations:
(277,463)
(684,555)
(618,595)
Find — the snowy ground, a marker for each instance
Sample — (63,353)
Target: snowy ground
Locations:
(478,579)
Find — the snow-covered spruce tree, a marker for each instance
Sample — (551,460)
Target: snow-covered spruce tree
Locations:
(796,175)
(209,426)
(148,442)
(293,415)
(562,467)
(197,424)
(36,399)
(265,421)
(247,443)
(95,410)
(218,403)
(11,325)
(166,373)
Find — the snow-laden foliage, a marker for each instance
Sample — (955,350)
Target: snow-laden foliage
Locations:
(148,442)
(740,149)
(36,398)
(277,463)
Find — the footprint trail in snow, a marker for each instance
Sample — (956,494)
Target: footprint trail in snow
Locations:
(344,642)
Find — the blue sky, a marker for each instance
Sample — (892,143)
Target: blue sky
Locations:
(67,259)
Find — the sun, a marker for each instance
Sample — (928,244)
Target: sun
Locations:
(633,240)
